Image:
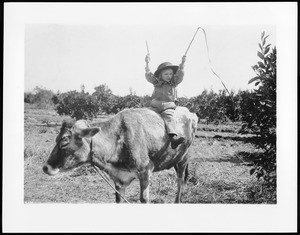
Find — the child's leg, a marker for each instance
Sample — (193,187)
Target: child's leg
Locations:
(168,116)
(166,110)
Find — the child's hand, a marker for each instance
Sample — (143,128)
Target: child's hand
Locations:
(147,59)
(181,66)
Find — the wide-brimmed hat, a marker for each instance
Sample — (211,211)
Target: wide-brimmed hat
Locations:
(166,65)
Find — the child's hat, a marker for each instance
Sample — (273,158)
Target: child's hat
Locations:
(165,65)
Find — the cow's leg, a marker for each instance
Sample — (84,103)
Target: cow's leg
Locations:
(121,190)
(181,171)
(144,177)
(144,184)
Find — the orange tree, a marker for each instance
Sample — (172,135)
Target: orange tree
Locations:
(209,105)
(40,96)
(261,112)
(129,101)
(78,105)
(104,98)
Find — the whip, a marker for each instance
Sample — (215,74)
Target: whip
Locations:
(191,41)
(207,56)
(147,47)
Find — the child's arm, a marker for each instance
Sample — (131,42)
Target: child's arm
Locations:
(181,66)
(147,59)
(149,76)
(180,72)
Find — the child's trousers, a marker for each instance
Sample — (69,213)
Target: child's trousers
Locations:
(166,110)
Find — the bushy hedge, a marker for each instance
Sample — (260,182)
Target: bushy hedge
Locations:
(209,105)
(78,105)
(82,105)
(217,107)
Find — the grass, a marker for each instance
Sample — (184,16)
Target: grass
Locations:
(218,171)
(228,127)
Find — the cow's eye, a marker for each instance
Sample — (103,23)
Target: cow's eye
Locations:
(64,141)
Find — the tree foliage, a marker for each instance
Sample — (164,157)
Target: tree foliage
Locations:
(209,105)
(104,98)
(78,105)
(82,105)
(261,117)
(40,96)
(214,107)
(128,101)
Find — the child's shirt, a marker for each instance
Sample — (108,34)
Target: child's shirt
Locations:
(165,91)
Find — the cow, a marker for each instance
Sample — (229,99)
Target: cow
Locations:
(130,145)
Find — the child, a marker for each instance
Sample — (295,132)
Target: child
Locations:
(165,79)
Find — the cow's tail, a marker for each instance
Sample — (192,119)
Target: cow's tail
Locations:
(186,173)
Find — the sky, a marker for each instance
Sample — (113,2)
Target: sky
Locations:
(64,56)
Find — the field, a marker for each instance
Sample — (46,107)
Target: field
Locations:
(219,170)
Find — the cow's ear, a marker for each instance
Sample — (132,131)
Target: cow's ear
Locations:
(88,132)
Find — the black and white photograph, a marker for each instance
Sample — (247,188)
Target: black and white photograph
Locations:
(150,117)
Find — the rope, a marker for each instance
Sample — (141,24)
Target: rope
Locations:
(98,171)
(210,61)
(147,47)
(191,41)
(107,181)
(210,64)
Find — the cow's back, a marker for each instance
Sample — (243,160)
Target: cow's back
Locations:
(152,122)
(146,135)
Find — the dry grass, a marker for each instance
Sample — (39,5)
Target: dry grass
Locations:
(218,171)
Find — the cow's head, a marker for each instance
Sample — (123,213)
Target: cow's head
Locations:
(72,147)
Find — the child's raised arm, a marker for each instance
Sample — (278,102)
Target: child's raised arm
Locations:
(149,76)
(181,66)
(147,59)
(180,72)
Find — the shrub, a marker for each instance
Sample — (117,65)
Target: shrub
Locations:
(28,97)
(104,98)
(262,111)
(41,97)
(208,105)
(129,101)
(78,105)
